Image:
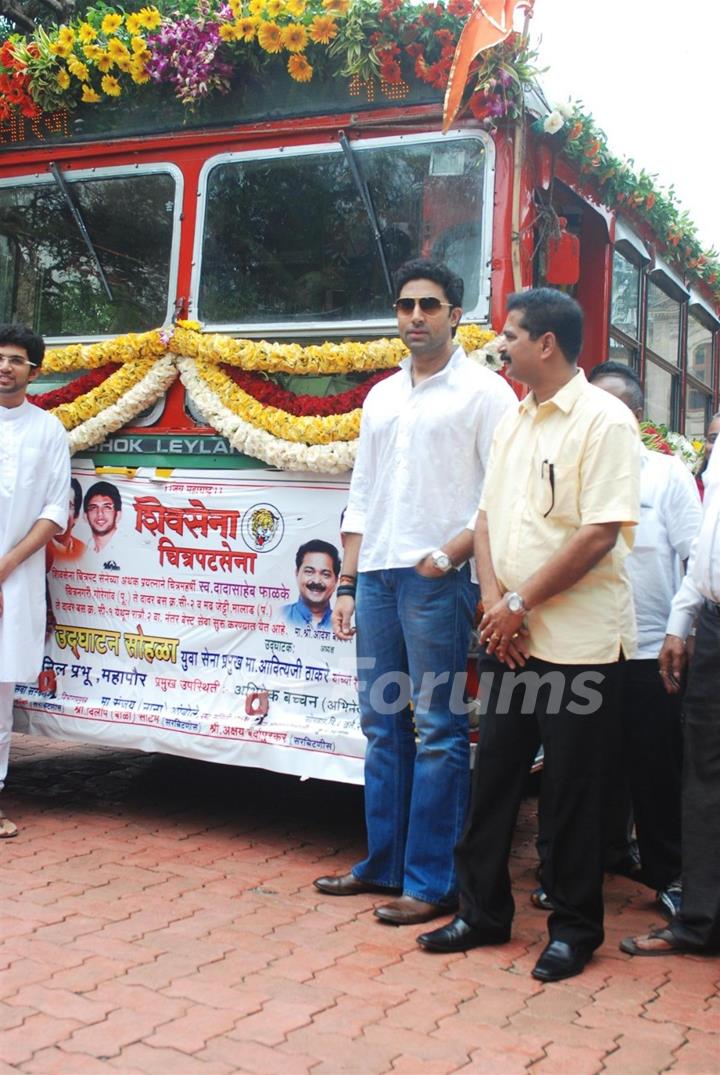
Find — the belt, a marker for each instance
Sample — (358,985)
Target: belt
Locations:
(711,606)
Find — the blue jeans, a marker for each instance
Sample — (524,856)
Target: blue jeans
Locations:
(410,629)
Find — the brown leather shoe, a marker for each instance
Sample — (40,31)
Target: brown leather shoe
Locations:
(407,911)
(347,884)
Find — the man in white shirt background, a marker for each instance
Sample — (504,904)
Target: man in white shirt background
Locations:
(696,927)
(424,445)
(711,435)
(651,729)
(34,494)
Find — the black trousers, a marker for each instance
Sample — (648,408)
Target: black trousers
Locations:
(698,924)
(573,715)
(651,743)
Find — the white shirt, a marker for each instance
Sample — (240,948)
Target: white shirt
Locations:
(34,484)
(421,461)
(703,576)
(670,516)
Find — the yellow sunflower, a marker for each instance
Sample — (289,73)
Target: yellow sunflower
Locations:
(61,49)
(274,8)
(296,8)
(78,68)
(66,35)
(150,17)
(228,32)
(117,51)
(247,28)
(338,7)
(62,78)
(87,33)
(138,73)
(294,37)
(133,24)
(111,24)
(299,69)
(270,37)
(323,29)
(89,96)
(110,86)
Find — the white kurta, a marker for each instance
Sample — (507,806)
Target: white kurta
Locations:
(34,484)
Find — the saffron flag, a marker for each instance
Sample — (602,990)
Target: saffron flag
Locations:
(490,23)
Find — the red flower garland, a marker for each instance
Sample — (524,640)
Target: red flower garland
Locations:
(272,395)
(70,392)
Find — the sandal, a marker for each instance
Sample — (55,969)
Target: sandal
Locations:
(643,945)
(7,827)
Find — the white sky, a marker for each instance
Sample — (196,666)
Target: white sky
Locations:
(647,70)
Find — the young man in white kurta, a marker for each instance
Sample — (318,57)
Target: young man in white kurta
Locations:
(34,492)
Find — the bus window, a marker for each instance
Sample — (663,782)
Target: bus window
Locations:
(661,390)
(699,406)
(624,311)
(49,277)
(663,324)
(700,341)
(286,237)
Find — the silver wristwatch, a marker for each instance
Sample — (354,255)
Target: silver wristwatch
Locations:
(441,560)
(515,602)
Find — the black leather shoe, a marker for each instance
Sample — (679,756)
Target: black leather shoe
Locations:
(458,936)
(560,960)
(347,884)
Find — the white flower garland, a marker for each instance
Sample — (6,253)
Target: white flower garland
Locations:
(142,395)
(334,458)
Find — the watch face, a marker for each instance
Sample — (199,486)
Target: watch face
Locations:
(515,603)
(441,560)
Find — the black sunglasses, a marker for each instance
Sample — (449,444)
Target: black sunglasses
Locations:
(428,304)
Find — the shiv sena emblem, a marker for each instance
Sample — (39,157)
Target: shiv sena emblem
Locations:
(262,527)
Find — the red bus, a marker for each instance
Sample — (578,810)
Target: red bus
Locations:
(213,284)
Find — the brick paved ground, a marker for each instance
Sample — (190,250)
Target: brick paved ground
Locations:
(158,917)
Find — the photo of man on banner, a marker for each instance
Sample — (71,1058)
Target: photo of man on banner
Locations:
(317,567)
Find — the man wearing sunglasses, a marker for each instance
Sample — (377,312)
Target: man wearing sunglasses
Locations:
(34,496)
(424,448)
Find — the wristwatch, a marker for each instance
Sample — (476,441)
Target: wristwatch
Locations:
(515,602)
(441,560)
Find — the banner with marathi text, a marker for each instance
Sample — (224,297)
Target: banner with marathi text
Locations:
(182,623)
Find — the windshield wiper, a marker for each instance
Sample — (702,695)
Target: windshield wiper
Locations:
(364,192)
(81,226)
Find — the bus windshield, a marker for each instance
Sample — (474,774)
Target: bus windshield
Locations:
(47,275)
(286,237)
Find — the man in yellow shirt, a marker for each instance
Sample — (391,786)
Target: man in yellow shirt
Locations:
(555,524)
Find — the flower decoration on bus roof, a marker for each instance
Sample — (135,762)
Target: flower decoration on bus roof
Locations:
(385,46)
(197,54)
(620,187)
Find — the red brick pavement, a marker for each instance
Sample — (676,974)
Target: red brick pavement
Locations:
(158,918)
